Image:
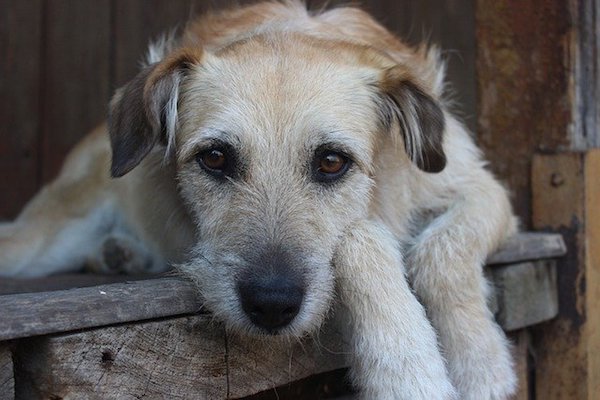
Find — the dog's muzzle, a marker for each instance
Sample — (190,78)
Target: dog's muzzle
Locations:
(272,301)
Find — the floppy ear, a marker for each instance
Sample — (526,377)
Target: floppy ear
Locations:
(144,112)
(419,116)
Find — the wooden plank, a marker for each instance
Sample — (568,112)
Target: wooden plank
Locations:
(566,198)
(448,24)
(592,261)
(136,23)
(64,310)
(522,50)
(60,282)
(526,294)
(77,76)
(529,246)
(20,45)
(585,64)
(7,378)
(333,385)
(68,310)
(183,358)
(520,352)
(259,364)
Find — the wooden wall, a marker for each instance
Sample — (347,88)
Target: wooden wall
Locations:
(60,61)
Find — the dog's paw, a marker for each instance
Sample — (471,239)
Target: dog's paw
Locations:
(484,371)
(121,255)
(419,388)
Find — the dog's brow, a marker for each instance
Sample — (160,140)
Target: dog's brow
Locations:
(203,136)
(348,143)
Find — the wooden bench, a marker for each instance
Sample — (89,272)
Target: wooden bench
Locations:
(149,338)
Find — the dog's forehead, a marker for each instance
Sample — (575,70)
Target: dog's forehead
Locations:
(281,91)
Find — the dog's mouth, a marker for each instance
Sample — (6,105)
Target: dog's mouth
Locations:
(262,299)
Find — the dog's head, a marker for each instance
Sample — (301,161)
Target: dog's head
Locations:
(276,140)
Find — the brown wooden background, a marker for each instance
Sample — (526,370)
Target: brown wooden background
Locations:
(61,60)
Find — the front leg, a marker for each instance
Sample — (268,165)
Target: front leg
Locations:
(394,346)
(445,268)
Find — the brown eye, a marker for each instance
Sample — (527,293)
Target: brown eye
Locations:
(213,160)
(331,165)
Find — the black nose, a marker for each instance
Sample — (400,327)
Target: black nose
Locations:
(271,302)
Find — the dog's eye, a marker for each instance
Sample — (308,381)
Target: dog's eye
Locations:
(213,160)
(331,165)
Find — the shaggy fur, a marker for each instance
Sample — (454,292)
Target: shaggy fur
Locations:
(414,216)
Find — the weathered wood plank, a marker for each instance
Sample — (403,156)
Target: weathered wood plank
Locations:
(522,50)
(76,76)
(156,360)
(20,45)
(327,385)
(256,365)
(520,352)
(137,22)
(183,358)
(529,246)
(585,64)
(65,310)
(566,198)
(7,379)
(526,293)
(448,24)
(60,282)
(30,314)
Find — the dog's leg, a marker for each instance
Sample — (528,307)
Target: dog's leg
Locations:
(98,241)
(445,267)
(395,349)
(121,253)
(44,245)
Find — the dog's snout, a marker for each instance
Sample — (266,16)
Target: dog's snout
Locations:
(271,303)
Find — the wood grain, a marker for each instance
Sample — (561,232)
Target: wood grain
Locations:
(566,198)
(20,45)
(520,352)
(529,246)
(183,358)
(7,379)
(449,24)
(60,282)
(257,365)
(32,314)
(137,22)
(76,76)
(526,293)
(156,360)
(524,88)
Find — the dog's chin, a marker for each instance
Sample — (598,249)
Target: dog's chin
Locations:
(306,323)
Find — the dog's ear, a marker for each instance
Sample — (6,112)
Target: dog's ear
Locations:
(419,116)
(144,112)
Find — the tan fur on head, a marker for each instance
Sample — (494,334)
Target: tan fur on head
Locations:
(273,150)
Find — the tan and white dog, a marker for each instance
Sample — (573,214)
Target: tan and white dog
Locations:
(282,159)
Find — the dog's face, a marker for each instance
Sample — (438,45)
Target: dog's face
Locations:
(275,141)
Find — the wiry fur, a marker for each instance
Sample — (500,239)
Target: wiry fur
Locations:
(277,83)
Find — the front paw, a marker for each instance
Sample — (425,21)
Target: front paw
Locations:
(483,369)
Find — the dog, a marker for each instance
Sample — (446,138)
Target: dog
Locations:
(283,160)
